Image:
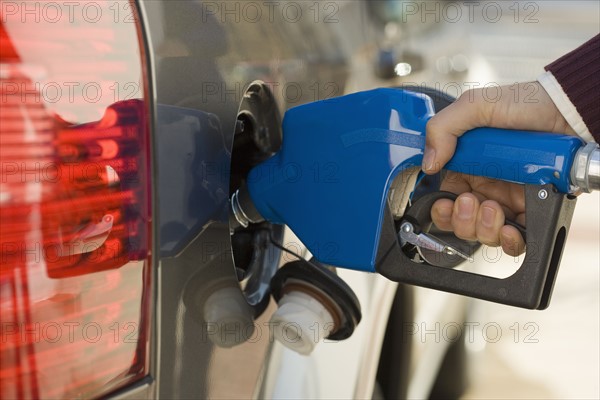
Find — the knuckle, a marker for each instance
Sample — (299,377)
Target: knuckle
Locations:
(433,128)
(488,238)
(465,231)
(471,95)
(465,236)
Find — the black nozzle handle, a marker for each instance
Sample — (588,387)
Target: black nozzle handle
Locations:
(548,214)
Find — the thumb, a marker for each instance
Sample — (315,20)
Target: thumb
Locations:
(443,129)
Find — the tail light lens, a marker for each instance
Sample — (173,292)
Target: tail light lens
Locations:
(74,199)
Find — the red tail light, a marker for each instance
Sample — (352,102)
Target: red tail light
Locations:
(74,200)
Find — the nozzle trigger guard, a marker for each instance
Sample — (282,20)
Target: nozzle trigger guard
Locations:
(548,214)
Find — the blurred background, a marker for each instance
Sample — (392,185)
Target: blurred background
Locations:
(552,354)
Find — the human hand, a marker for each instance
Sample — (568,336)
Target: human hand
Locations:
(483,204)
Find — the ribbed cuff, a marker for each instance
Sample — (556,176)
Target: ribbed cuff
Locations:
(578,73)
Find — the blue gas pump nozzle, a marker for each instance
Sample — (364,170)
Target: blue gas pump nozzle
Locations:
(330,183)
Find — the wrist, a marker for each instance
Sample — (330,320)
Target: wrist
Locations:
(564,105)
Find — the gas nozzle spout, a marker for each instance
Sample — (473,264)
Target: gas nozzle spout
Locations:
(242,211)
(585,172)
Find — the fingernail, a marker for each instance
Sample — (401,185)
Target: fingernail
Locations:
(428,159)
(444,212)
(488,216)
(465,208)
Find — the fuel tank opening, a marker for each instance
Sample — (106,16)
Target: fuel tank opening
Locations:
(257,137)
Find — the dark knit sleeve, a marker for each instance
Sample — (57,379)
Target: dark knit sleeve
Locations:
(578,73)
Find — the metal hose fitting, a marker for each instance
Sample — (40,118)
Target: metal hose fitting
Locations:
(585,172)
